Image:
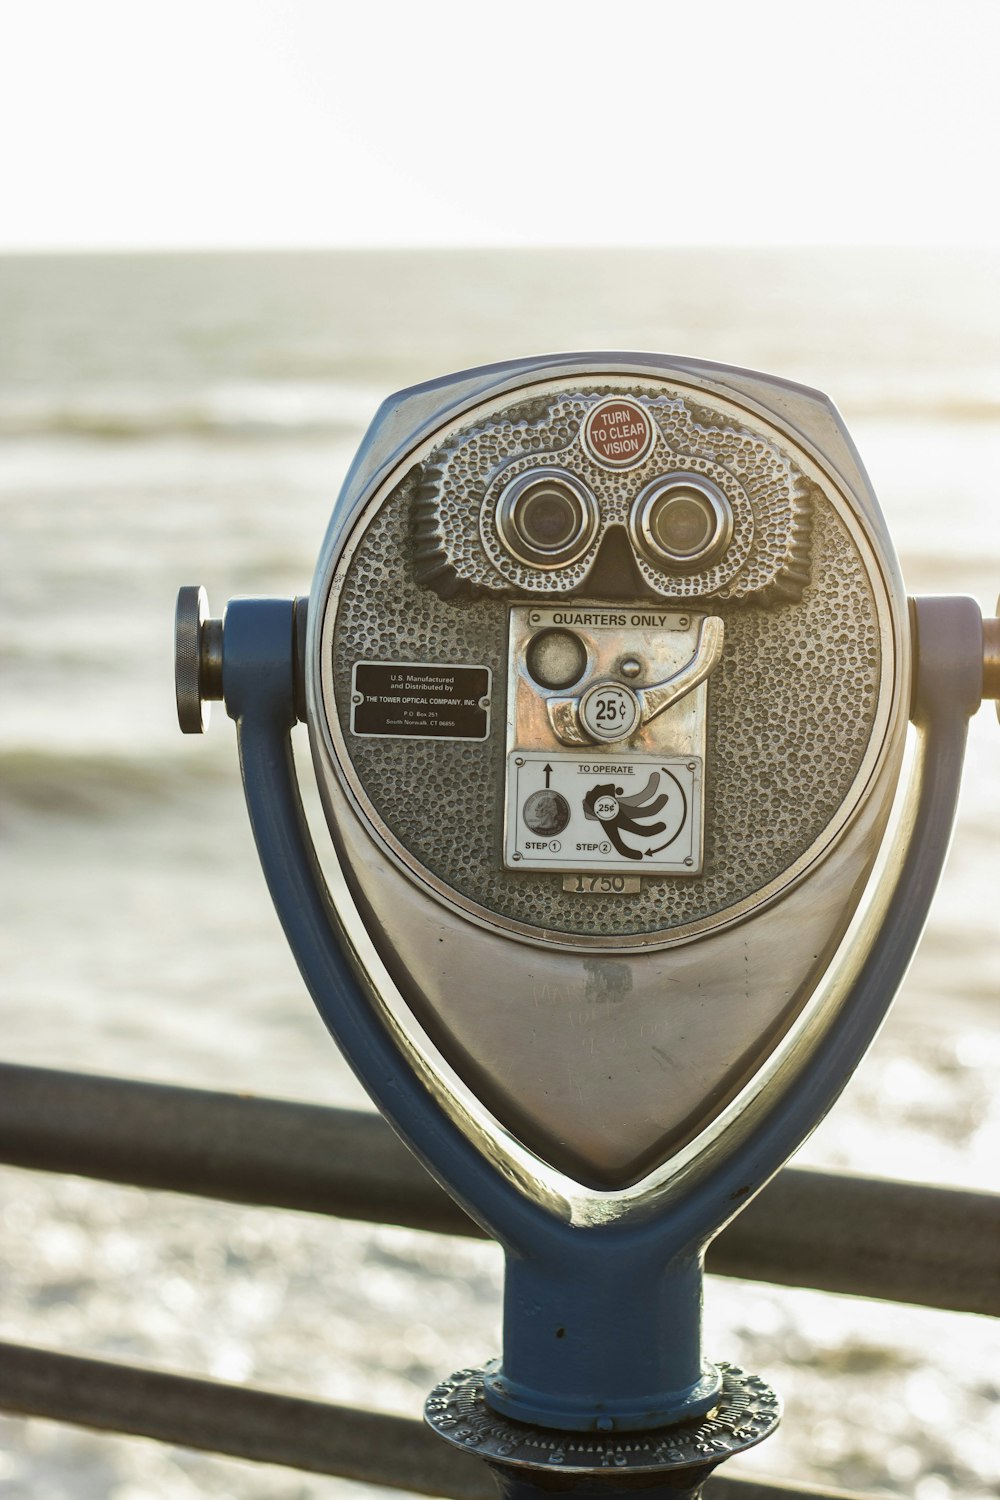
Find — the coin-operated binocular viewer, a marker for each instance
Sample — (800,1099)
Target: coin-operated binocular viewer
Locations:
(607,670)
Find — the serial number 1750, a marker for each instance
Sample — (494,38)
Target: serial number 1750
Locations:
(601,885)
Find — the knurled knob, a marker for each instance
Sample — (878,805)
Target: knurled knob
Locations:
(197,659)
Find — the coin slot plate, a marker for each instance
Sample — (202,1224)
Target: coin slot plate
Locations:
(634,804)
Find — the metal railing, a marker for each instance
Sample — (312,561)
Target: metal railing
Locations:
(834,1232)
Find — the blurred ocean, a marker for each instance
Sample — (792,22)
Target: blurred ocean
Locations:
(179,419)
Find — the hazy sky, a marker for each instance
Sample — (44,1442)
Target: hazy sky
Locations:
(255,122)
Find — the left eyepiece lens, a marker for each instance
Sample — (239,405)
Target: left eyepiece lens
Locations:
(546,518)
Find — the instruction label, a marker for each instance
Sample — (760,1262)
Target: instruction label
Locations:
(567,812)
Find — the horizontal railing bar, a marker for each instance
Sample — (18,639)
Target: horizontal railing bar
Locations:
(240,1421)
(869,1237)
(865,1236)
(271,1427)
(238,1147)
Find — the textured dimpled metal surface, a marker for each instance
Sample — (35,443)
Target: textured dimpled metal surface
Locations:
(791,704)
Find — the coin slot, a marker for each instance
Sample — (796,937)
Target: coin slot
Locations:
(609,711)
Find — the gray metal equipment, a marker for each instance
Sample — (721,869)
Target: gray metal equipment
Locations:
(608,670)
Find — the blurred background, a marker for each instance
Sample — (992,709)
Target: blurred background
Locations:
(227,231)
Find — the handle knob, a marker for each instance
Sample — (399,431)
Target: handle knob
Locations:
(197,659)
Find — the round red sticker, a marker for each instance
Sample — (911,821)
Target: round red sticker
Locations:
(618,433)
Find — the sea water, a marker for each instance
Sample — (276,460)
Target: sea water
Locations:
(188,419)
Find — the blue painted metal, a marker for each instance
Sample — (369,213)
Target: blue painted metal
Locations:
(602,1324)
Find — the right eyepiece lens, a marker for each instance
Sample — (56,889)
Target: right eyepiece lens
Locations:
(682,523)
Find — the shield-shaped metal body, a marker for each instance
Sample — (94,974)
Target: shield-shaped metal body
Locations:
(607,679)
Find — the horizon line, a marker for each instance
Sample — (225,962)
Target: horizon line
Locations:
(498,247)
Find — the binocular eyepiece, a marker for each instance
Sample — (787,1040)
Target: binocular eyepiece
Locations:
(608,670)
